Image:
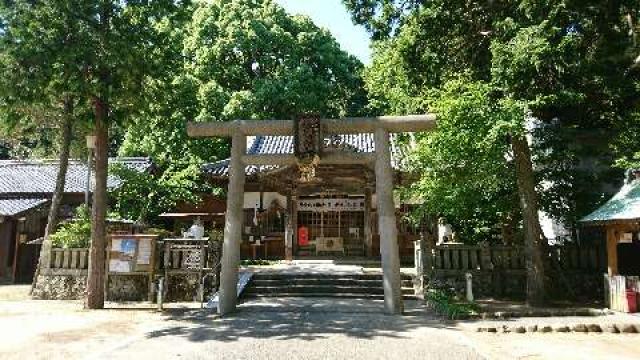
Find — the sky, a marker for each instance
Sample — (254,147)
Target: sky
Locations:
(333,15)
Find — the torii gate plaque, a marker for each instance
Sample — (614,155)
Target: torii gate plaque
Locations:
(379,126)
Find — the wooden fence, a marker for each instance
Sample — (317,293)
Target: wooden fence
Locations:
(615,290)
(73,259)
(175,257)
(463,258)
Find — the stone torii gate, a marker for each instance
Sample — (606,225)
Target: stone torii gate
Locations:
(381,127)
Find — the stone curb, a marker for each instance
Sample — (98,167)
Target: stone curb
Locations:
(537,313)
(559,328)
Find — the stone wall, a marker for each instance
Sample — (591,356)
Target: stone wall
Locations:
(128,288)
(486,284)
(61,284)
(182,287)
(67,285)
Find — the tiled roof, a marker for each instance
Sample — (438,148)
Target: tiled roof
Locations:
(623,206)
(261,145)
(15,206)
(39,177)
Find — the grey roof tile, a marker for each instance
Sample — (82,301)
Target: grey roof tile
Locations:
(39,177)
(17,205)
(260,145)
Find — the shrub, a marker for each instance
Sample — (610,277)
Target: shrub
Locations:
(445,302)
(75,233)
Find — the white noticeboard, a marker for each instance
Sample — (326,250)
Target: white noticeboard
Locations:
(119,266)
(144,251)
(131,253)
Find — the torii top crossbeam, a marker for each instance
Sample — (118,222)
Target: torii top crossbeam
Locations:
(392,124)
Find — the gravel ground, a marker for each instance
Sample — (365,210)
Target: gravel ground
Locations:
(566,346)
(566,320)
(261,329)
(282,329)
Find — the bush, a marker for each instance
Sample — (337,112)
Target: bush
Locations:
(76,233)
(445,302)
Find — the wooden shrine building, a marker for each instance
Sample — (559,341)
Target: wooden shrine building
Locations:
(331,215)
(312,187)
(620,218)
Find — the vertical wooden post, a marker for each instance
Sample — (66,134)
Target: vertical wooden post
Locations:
(294,222)
(368,231)
(288,231)
(233,227)
(16,250)
(387,225)
(612,251)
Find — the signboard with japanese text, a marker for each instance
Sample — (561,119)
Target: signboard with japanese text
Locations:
(325,205)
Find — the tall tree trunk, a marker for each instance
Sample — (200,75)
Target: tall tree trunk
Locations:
(95,279)
(536,293)
(61,179)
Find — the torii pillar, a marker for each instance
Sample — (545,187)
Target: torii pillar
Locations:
(387,226)
(228,294)
(379,126)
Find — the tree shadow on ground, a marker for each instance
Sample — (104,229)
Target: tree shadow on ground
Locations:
(282,322)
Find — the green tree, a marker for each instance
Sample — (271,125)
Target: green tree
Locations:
(251,60)
(110,49)
(567,63)
(39,86)
(229,60)
(465,173)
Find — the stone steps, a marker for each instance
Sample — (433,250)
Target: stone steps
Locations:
(334,282)
(369,286)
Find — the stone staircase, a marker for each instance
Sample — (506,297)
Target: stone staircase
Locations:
(357,286)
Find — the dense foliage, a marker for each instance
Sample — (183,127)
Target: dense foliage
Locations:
(74,233)
(142,196)
(229,60)
(468,180)
(571,65)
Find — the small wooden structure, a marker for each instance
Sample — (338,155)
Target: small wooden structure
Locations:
(620,217)
(191,257)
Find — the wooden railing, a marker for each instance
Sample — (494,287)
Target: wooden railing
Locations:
(74,259)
